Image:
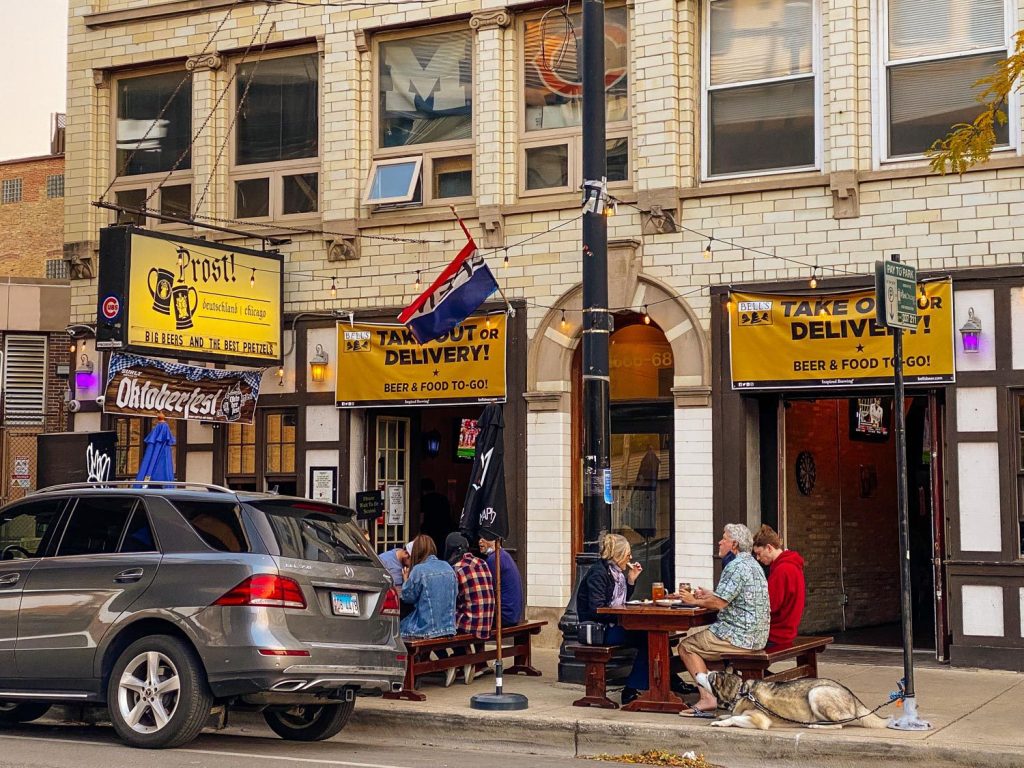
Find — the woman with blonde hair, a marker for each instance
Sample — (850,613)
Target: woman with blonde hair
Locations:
(609,583)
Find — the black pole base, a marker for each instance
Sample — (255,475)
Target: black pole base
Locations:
(499,702)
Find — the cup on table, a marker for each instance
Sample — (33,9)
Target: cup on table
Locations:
(657,590)
(685,586)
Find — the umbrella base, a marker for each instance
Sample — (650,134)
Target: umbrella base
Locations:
(499,701)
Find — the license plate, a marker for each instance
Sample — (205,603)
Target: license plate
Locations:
(345,603)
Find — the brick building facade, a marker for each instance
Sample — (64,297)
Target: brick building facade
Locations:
(31,215)
(751,144)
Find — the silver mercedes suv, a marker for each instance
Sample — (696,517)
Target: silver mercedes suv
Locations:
(166,604)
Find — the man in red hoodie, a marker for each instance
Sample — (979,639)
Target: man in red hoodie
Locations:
(786,588)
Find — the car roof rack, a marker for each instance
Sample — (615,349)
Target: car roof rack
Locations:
(137,484)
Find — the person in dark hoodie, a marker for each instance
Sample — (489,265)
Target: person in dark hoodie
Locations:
(786,587)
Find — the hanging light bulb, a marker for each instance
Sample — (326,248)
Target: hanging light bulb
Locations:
(72,348)
(564,323)
(417,286)
(504,261)
(487,322)
(252,278)
(813,282)
(707,248)
(647,317)
(334,289)
(280,375)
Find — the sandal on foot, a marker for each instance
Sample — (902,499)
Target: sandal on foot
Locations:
(701,714)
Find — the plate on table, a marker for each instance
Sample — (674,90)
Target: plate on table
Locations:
(667,602)
(638,602)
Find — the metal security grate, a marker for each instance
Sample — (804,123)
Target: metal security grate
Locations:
(11,191)
(24,385)
(55,185)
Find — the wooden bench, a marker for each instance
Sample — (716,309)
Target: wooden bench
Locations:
(754,665)
(596,657)
(516,642)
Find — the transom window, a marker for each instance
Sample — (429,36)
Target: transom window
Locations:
(934,51)
(551,141)
(424,119)
(152,137)
(760,79)
(277,144)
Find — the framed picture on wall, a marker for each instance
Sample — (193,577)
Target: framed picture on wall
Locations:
(870,419)
(323,484)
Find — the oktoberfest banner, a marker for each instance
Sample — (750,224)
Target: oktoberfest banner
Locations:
(784,342)
(384,364)
(140,386)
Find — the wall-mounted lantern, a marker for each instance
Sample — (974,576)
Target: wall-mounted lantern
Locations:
(970,332)
(84,376)
(318,364)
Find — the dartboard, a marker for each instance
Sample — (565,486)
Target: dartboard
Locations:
(805,472)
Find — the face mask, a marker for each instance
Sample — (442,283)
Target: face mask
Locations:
(489,550)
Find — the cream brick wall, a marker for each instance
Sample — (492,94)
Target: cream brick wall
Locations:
(934,222)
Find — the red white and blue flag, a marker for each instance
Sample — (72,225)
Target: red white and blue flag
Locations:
(457,293)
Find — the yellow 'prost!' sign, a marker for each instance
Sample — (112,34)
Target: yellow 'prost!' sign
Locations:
(783,342)
(203,301)
(383,364)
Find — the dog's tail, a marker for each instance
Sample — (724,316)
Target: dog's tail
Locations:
(867,719)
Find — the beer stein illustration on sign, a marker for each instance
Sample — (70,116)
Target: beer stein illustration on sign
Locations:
(231,405)
(160,281)
(185,300)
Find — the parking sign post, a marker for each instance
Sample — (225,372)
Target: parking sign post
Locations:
(896,309)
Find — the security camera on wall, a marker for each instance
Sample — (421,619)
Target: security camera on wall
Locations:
(99,401)
(74,406)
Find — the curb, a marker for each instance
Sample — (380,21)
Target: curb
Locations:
(555,736)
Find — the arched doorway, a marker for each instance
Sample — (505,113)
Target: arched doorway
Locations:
(641,455)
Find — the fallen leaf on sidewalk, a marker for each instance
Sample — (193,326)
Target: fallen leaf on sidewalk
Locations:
(658,757)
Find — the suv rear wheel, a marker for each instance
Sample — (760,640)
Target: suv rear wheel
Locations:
(157,694)
(309,722)
(22,711)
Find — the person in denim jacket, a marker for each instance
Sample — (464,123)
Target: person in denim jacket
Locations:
(430,587)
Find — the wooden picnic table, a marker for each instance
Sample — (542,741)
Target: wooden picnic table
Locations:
(659,622)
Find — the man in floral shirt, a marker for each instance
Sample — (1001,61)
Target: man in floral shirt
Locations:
(744,615)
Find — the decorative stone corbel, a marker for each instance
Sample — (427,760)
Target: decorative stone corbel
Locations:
(492,226)
(100,78)
(663,207)
(81,259)
(845,194)
(623,271)
(546,401)
(361,44)
(343,248)
(210,61)
(691,397)
(494,18)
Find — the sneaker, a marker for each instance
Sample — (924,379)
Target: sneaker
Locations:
(629,694)
(449,676)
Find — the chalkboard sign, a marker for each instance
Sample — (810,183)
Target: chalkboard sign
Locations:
(369,505)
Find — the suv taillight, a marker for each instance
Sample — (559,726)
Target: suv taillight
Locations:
(266,590)
(392,606)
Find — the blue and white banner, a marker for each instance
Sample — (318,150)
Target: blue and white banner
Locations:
(457,293)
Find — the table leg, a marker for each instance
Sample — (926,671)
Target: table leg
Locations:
(659,696)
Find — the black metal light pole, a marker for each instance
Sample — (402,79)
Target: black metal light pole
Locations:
(596,320)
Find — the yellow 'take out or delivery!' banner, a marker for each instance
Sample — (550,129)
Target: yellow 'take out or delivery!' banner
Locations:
(784,342)
(383,364)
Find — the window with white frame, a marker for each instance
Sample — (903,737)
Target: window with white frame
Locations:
(551,146)
(760,86)
(277,137)
(934,52)
(423,151)
(152,144)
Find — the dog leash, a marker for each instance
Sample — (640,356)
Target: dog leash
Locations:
(749,696)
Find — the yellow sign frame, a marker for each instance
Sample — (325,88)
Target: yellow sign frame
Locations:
(779,341)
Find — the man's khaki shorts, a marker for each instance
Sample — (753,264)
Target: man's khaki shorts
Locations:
(707,645)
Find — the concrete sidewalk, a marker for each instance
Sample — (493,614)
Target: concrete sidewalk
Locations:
(976,717)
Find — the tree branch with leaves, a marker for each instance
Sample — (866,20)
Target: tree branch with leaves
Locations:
(968,144)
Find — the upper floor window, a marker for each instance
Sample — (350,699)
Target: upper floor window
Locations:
(934,51)
(424,120)
(760,80)
(55,185)
(552,147)
(277,137)
(152,142)
(11,191)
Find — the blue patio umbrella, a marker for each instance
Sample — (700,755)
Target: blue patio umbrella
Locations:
(156,465)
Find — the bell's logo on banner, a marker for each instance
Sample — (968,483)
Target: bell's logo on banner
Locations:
(188,298)
(383,364)
(833,340)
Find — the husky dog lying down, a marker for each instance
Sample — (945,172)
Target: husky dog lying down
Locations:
(810,702)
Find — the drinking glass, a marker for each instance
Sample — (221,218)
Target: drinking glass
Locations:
(657,590)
